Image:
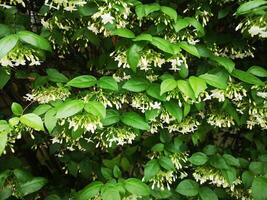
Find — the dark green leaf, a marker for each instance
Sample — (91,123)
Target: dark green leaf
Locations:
(7,44)
(136,85)
(112,117)
(83,81)
(174,109)
(151,169)
(246,77)
(188,188)
(198,158)
(134,120)
(207,194)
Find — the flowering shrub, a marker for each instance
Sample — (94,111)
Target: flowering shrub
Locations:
(128,99)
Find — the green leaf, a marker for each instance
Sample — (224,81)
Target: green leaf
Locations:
(134,120)
(137,187)
(174,109)
(108,191)
(154,91)
(258,71)
(16,109)
(32,186)
(247,179)
(248,6)
(83,81)
(136,85)
(166,163)
(181,24)
(69,108)
(218,162)
(32,120)
(50,120)
(197,84)
(55,76)
(188,188)
(162,44)
(259,186)
(116,172)
(215,80)
(124,32)
(167,85)
(107,82)
(186,89)
(231,160)
(170,12)
(198,158)
(152,114)
(227,63)
(133,56)
(189,48)
(112,117)
(95,108)
(246,77)
(4,30)
(7,44)
(143,37)
(4,77)
(41,109)
(151,169)
(89,191)
(206,193)
(34,40)
(3,142)
(150,8)
(197,25)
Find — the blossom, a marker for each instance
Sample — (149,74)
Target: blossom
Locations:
(107,18)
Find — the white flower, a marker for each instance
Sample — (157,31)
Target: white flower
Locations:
(107,18)
(256,30)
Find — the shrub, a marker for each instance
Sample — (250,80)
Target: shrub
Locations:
(128,99)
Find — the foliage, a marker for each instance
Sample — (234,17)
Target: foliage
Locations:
(128,99)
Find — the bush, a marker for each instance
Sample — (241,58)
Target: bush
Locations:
(128,99)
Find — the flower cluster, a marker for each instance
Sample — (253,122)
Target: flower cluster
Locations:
(254,26)
(214,177)
(143,102)
(111,12)
(188,125)
(87,122)
(21,55)
(13,2)
(44,95)
(68,5)
(115,136)
(221,120)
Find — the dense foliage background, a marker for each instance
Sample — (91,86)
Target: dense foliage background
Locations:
(127,99)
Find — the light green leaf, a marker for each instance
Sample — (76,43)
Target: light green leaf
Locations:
(133,56)
(136,85)
(154,91)
(34,40)
(162,44)
(197,84)
(69,108)
(3,142)
(32,120)
(50,120)
(55,76)
(124,32)
(181,24)
(112,117)
(174,110)
(189,48)
(7,44)
(89,191)
(137,187)
(207,194)
(32,186)
(4,77)
(134,120)
(151,169)
(215,80)
(246,77)
(107,82)
(258,71)
(259,186)
(143,37)
(167,85)
(108,191)
(198,158)
(170,12)
(188,188)
(41,109)
(83,81)
(95,108)
(186,89)
(249,6)
(227,63)
(166,163)
(16,109)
